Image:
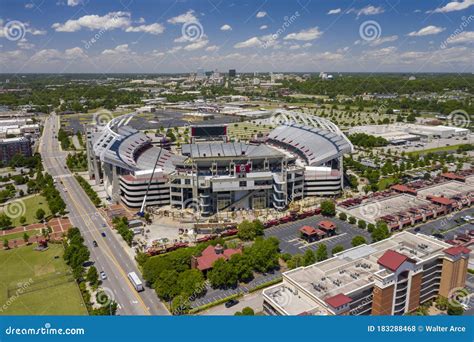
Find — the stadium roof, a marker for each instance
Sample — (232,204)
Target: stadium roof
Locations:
(233,149)
(315,144)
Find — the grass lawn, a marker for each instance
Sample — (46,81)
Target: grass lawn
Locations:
(31,205)
(436,149)
(51,290)
(19,235)
(384,183)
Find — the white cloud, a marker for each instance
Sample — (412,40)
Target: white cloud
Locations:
(463,37)
(74,53)
(155,29)
(382,40)
(369,10)
(29,5)
(119,49)
(112,20)
(183,18)
(426,31)
(307,45)
(74,3)
(226,28)
(261,14)
(23,44)
(196,45)
(309,34)
(455,6)
(212,48)
(295,47)
(335,11)
(386,53)
(251,42)
(35,32)
(263,27)
(175,49)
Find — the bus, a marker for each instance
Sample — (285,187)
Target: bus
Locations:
(136,282)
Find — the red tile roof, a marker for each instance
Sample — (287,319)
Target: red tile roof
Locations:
(452,175)
(308,230)
(457,250)
(441,200)
(338,300)
(392,260)
(209,257)
(328,225)
(403,188)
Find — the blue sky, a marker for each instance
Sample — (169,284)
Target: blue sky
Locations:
(279,35)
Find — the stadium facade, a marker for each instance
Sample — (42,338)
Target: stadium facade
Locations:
(295,160)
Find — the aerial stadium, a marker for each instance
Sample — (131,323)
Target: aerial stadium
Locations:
(301,157)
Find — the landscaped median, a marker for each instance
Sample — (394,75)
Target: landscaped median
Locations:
(89,191)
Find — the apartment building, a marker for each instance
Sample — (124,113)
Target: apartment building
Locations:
(389,277)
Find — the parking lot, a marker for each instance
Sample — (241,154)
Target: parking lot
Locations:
(290,241)
(446,225)
(213,295)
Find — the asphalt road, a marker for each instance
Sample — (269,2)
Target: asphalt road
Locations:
(110,255)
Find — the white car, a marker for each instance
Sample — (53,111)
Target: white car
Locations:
(103,276)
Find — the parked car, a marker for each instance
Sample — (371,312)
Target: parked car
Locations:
(231,303)
(103,276)
(103,234)
(94,243)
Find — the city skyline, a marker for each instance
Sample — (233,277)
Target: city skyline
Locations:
(77,36)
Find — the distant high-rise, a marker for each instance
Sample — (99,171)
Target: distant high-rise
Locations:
(232,73)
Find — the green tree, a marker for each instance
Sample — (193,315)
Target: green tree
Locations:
(26,237)
(328,208)
(5,221)
(40,214)
(342,216)
(295,261)
(22,220)
(358,240)
(180,305)
(322,252)
(191,282)
(309,258)
(166,286)
(92,276)
(248,311)
(380,232)
(455,310)
(337,249)
(352,220)
(362,224)
(222,275)
(5,243)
